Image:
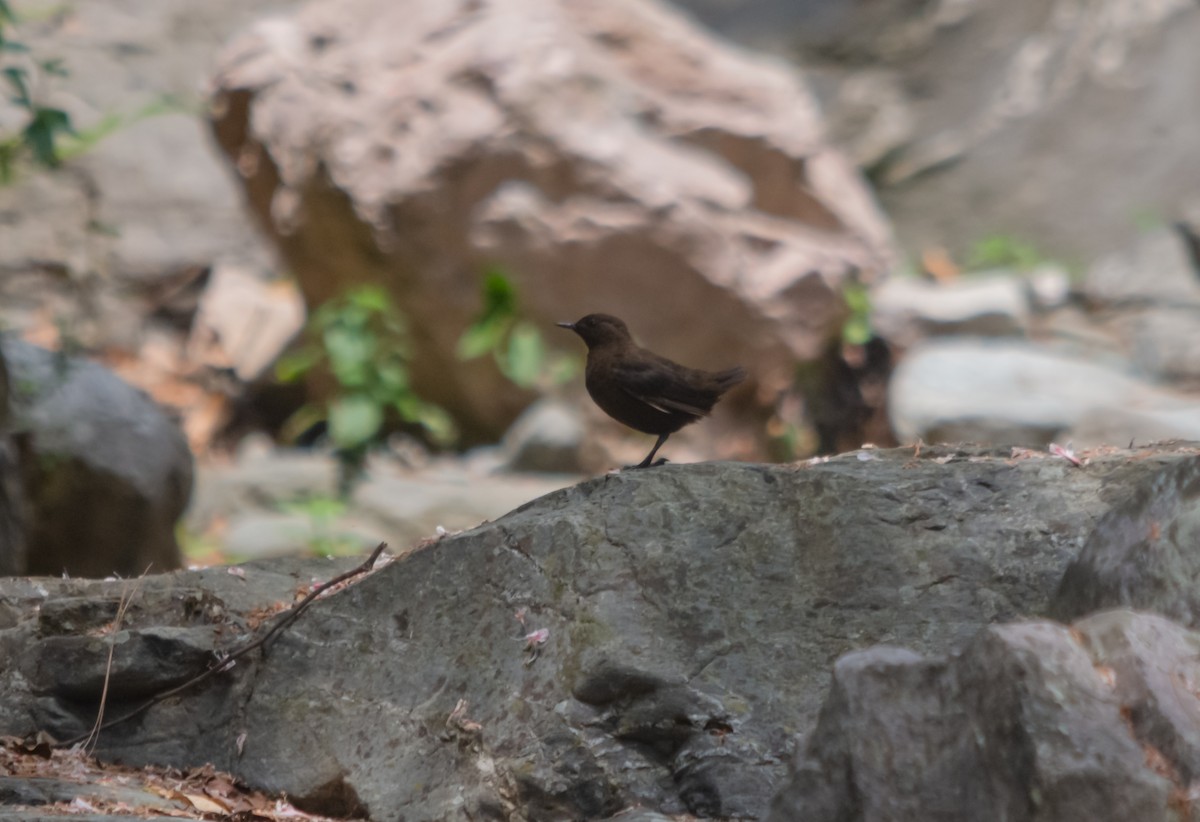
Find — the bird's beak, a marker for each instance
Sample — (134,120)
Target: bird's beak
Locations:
(566,325)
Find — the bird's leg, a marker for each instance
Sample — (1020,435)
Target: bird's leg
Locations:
(648,462)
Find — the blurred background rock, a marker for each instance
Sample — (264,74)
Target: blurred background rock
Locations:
(332,237)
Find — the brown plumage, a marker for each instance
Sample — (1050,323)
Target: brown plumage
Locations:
(640,389)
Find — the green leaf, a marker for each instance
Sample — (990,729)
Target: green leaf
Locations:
(392,377)
(1003,251)
(6,12)
(16,78)
(293,366)
(9,149)
(438,423)
(54,67)
(857,331)
(857,328)
(43,129)
(13,46)
(354,420)
(371,298)
(526,356)
(301,421)
(350,353)
(483,337)
(499,294)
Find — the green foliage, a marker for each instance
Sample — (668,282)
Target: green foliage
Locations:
(361,340)
(857,328)
(516,345)
(40,138)
(1004,251)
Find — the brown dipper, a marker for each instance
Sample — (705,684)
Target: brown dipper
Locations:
(640,389)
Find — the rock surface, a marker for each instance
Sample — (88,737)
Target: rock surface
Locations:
(691,617)
(606,154)
(1143,554)
(105,473)
(1031,721)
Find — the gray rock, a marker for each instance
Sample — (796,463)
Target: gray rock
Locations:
(1157,267)
(905,310)
(691,615)
(1144,553)
(1021,725)
(547,437)
(14,556)
(13,548)
(1122,426)
(1165,343)
(1153,664)
(143,662)
(1020,393)
(107,474)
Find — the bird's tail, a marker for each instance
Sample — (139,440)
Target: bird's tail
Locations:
(729,378)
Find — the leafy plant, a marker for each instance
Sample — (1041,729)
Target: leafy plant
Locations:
(857,328)
(516,345)
(360,339)
(1004,251)
(45,126)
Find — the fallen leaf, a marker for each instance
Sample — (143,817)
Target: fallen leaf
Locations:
(205,803)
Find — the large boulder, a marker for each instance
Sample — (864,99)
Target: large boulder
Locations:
(105,473)
(691,616)
(607,154)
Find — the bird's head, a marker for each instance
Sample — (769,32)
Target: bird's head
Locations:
(599,329)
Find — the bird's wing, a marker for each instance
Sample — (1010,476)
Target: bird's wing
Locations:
(663,388)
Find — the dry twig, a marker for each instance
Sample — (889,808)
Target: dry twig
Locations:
(113,628)
(285,619)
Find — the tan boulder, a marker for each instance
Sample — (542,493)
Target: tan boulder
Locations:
(608,154)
